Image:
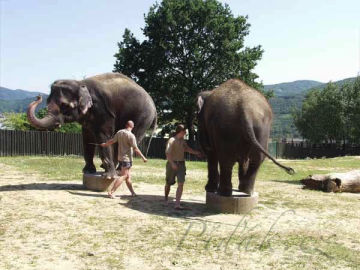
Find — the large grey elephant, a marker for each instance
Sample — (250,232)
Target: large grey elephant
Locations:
(102,104)
(234,126)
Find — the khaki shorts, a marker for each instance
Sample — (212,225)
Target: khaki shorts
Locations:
(179,173)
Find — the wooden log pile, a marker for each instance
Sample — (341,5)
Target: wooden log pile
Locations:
(334,182)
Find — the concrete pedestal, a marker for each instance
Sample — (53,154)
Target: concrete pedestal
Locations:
(238,203)
(96,181)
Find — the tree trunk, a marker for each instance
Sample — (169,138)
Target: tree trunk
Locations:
(334,182)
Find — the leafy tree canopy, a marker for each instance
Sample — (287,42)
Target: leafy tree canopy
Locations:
(189,46)
(331,115)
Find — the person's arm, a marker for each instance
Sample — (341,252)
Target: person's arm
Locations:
(109,142)
(171,161)
(137,151)
(191,151)
(169,157)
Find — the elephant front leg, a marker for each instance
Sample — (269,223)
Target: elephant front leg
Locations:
(213,173)
(225,186)
(106,155)
(89,151)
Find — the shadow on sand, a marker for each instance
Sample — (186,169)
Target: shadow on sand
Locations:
(155,205)
(292,182)
(150,204)
(42,186)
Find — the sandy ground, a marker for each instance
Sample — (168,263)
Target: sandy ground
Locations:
(58,225)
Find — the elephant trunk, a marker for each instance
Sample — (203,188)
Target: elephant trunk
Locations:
(50,121)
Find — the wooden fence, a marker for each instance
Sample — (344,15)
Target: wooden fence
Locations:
(303,150)
(23,143)
(15,143)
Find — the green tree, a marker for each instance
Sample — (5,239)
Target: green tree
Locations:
(16,121)
(351,97)
(305,119)
(331,115)
(189,46)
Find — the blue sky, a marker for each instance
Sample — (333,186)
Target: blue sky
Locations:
(42,41)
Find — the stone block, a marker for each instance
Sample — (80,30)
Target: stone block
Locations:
(238,203)
(96,181)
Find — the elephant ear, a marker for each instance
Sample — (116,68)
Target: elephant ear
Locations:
(200,102)
(202,97)
(85,99)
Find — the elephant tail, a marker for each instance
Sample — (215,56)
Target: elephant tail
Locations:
(256,143)
(154,127)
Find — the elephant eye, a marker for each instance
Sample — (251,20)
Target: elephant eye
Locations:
(65,109)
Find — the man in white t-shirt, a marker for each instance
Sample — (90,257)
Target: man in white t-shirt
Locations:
(126,144)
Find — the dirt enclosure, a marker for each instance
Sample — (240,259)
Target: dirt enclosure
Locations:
(53,224)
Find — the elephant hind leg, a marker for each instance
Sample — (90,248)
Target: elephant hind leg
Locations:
(225,186)
(247,181)
(213,173)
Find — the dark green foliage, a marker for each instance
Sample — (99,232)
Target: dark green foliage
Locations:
(331,114)
(189,46)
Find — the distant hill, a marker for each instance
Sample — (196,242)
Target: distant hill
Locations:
(341,82)
(18,100)
(292,88)
(288,96)
(8,94)
(19,105)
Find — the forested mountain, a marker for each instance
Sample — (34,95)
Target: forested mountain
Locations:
(19,105)
(8,94)
(287,96)
(18,100)
(292,88)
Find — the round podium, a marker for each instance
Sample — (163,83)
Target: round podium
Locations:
(96,181)
(238,203)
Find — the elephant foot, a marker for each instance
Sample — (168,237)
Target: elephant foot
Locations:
(110,175)
(227,192)
(247,190)
(89,169)
(211,188)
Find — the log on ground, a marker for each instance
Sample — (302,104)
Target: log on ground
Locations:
(334,182)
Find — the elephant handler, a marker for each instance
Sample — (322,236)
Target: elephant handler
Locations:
(175,166)
(126,143)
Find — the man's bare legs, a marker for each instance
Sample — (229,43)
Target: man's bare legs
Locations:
(124,174)
(129,184)
(179,192)
(167,191)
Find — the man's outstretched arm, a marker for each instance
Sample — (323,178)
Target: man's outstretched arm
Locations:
(137,151)
(192,151)
(109,142)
